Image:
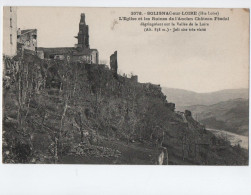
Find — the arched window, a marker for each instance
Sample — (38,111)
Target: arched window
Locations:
(11,22)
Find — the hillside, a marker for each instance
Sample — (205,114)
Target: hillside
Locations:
(188,98)
(61,112)
(231,115)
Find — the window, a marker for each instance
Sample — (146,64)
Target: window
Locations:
(11,22)
(10,38)
(10,9)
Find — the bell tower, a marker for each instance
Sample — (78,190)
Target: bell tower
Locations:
(83,34)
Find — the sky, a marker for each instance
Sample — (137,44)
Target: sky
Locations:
(198,61)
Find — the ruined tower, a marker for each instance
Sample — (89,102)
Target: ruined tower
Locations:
(83,34)
(114,63)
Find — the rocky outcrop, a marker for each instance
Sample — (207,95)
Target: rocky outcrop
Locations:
(162,156)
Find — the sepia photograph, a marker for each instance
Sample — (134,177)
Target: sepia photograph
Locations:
(125,86)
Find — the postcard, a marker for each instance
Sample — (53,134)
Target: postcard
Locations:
(127,86)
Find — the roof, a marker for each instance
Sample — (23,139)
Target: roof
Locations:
(27,31)
(58,50)
(84,52)
(65,50)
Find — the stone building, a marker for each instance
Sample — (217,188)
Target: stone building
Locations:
(80,53)
(83,52)
(27,38)
(89,56)
(9,31)
(60,53)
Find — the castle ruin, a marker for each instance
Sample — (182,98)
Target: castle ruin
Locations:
(114,63)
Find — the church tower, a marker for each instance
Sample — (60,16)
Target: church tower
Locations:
(83,34)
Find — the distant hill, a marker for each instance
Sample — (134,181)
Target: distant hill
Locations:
(183,97)
(231,115)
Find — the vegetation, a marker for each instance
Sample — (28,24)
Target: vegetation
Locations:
(61,112)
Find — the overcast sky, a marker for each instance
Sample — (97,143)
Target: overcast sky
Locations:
(199,61)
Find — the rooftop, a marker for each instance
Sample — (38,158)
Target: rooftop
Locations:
(27,31)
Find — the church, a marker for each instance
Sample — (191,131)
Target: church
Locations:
(80,53)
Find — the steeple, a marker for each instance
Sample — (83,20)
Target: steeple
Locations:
(82,19)
(83,34)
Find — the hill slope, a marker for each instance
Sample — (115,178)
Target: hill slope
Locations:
(231,115)
(188,98)
(61,112)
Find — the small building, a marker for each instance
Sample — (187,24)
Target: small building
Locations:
(9,31)
(71,54)
(28,38)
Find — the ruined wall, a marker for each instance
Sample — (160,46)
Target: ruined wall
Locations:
(85,58)
(114,63)
(134,78)
(171,106)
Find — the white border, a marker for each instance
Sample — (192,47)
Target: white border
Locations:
(93,179)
